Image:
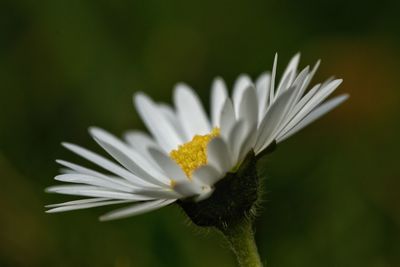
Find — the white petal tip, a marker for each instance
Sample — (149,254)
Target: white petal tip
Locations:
(342,98)
(139,98)
(67,145)
(139,95)
(181,86)
(96,131)
(339,81)
(104,219)
(218,79)
(53,209)
(49,190)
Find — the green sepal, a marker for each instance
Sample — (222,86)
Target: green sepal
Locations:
(233,199)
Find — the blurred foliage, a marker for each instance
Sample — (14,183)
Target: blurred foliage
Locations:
(333,190)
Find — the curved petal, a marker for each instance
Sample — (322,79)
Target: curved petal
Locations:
(169,166)
(227,118)
(313,101)
(172,117)
(241,83)
(161,129)
(308,80)
(236,139)
(262,85)
(218,155)
(272,119)
(248,109)
(207,174)
(141,142)
(94,191)
(189,188)
(129,158)
(104,182)
(136,209)
(86,205)
(219,93)
(248,143)
(78,202)
(106,164)
(288,75)
(77,169)
(190,112)
(314,115)
(272,81)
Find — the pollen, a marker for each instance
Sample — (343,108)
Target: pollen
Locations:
(193,154)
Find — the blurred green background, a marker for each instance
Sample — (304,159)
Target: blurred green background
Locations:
(333,190)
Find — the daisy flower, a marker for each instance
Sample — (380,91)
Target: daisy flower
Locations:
(187,152)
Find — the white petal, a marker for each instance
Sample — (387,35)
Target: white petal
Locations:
(308,80)
(190,112)
(86,205)
(159,193)
(76,202)
(82,170)
(236,138)
(309,95)
(241,83)
(79,169)
(93,191)
(248,109)
(227,118)
(300,103)
(106,164)
(288,75)
(189,188)
(271,122)
(207,174)
(218,155)
(161,129)
(262,85)
(129,158)
(104,182)
(248,143)
(141,142)
(218,96)
(299,82)
(168,165)
(136,209)
(315,100)
(172,117)
(272,81)
(296,87)
(322,94)
(314,115)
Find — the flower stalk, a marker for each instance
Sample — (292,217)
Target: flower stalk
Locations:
(241,240)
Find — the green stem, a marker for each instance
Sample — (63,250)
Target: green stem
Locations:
(241,239)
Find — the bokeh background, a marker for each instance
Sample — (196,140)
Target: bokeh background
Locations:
(333,190)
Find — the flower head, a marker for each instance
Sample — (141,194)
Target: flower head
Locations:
(188,154)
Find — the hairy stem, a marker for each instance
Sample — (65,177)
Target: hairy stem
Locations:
(241,239)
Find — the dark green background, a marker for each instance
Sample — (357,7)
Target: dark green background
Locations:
(333,190)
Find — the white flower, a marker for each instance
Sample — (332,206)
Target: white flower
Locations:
(187,153)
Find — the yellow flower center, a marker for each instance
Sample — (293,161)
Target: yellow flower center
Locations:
(193,154)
